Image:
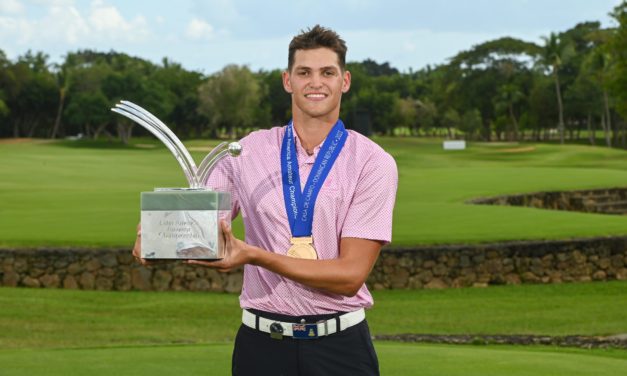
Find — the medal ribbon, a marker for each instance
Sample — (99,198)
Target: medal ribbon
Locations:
(299,204)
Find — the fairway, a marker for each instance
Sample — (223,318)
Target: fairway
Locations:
(87,194)
(395,359)
(74,332)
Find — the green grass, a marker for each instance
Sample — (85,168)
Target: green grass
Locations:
(395,359)
(87,194)
(68,332)
(38,318)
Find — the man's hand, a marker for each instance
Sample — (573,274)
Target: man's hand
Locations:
(237,253)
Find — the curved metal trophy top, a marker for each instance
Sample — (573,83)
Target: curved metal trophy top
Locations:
(196,176)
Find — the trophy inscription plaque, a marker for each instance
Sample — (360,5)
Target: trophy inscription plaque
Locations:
(182,223)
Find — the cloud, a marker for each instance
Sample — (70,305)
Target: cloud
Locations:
(198,29)
(106,21)
(64,24)
(11,7)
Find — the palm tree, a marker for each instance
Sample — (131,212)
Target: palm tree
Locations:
(554,53)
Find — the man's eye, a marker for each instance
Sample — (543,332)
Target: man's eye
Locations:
(303,73)
(329,73)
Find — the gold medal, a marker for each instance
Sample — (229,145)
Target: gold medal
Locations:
(302,247)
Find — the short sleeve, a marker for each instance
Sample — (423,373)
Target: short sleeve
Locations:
(370,212)
(222,178)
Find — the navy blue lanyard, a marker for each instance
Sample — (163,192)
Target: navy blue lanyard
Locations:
(299,204)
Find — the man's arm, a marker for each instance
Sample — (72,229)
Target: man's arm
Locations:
(344,275)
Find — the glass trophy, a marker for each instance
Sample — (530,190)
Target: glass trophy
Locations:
(182,223)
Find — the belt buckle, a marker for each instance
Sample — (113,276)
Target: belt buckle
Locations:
(305,331)
(276,330)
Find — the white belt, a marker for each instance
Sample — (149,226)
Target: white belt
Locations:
(324,328)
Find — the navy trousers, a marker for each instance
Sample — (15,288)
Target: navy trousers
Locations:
(348,352)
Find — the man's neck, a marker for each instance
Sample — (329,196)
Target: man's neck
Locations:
(312,131)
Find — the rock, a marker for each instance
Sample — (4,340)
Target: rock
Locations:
(389,261)
(480,284)
(140,278)
(125,258)
(199,285)
(87,281)
(20,265)
(436,283)
(7,262)
(60,264)
(530,277)
(103,283)
(429,264)
(605,263)
(556,277)
(492,254)
(415,283)
(579,257)
(36,272)
(599,275)
(50,280)
(10,279)
(108,259)
(464,261)
(399,280)
(177,284)
(69,282)
(425,276)
(74,268)
(161,280)
(31,282)
(617,261)
(378,286)
(178,271)
(234,282)
(621,274)
(123,281)
(106,272)
(92,265)
(512,279)
(440,270)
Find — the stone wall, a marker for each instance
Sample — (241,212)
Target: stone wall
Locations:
(605,201)
(597,259)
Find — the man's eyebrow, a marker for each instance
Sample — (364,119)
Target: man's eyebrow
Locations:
(304,67)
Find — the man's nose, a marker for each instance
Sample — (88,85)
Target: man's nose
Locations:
(316,80)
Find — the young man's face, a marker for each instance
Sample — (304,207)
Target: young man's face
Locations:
(316,83)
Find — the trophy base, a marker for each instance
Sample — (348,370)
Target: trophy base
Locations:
(183,224)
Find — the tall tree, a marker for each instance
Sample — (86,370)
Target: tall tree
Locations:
(230,98)
(617,47)
(555,52)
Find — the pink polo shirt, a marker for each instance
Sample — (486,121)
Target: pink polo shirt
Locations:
(356,200)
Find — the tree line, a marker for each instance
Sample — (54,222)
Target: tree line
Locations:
(572,86)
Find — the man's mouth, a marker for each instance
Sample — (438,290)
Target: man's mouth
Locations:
(316,96)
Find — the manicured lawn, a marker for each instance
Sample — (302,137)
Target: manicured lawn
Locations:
(67,332)
(394,358)
(87,194)
(38,318)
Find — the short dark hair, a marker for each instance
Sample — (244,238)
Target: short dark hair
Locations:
(317,37)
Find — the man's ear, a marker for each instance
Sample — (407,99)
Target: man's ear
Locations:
(346,82)
(286,82)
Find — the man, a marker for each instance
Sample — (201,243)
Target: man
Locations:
(309,250)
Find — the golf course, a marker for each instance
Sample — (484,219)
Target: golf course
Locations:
(71,194)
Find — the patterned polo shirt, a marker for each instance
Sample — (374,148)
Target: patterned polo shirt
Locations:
(356,200)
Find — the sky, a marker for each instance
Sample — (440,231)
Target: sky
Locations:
(207,35)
